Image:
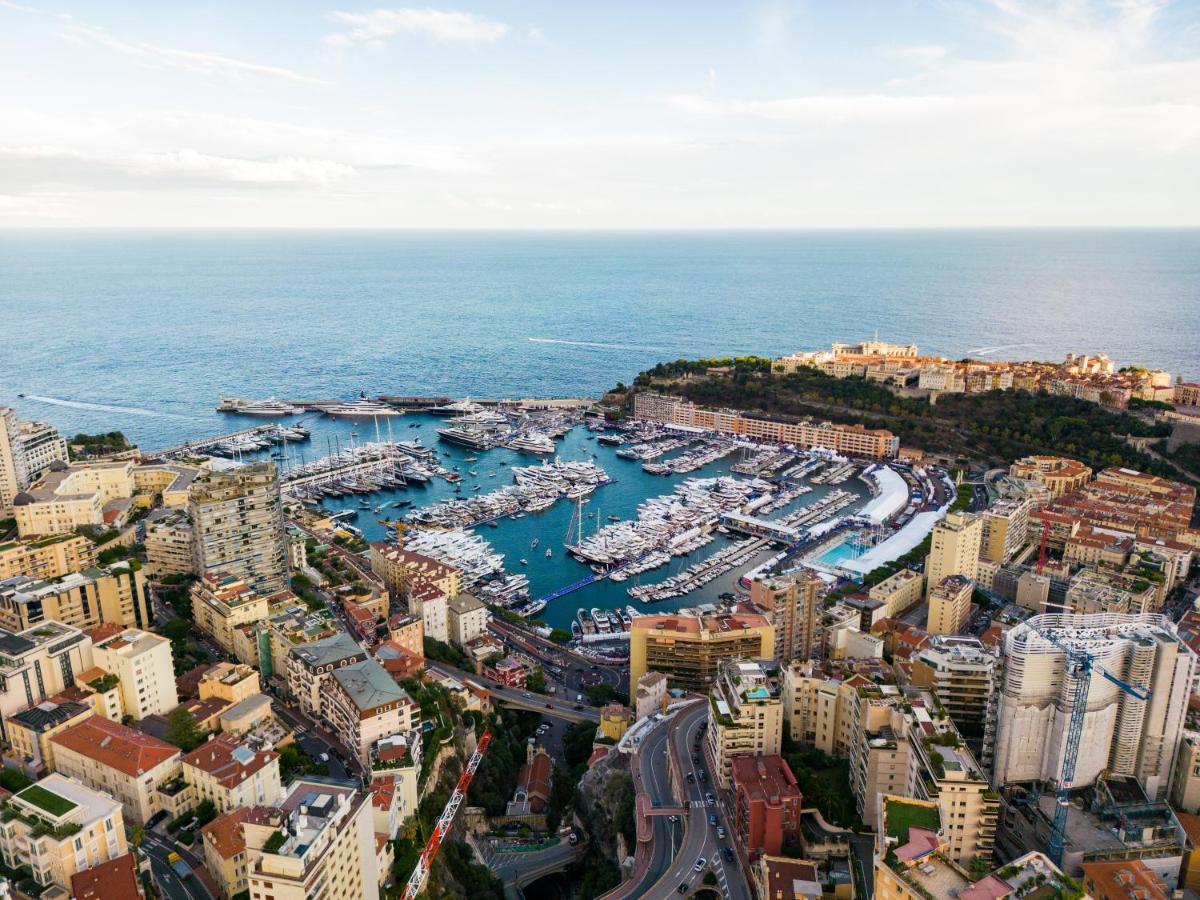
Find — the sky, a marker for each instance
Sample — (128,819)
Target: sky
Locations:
(574,115)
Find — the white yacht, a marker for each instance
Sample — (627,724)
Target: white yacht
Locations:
(532,442)
(269,407)
(361,408)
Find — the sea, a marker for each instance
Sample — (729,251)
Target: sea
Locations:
(144,332)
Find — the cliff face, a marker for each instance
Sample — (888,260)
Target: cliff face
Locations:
(606,805)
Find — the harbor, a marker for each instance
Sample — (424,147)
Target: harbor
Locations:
(594,525)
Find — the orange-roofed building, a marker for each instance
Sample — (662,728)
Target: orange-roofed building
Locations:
(113,880)
(767,805)
(131,766)
(232,774)
(688,648)
(233,841)
(1126,879)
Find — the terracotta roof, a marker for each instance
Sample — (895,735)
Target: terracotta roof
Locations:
(115,878)
(1123,878)
(104,631)
(1191,825)
(112,744)
(228,761)
(225,833)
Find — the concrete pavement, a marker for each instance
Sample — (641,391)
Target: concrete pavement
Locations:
(513,697)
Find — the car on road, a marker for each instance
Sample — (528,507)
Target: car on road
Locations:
(700,864)
(727,853)
(579,706)
(691,778)
(720,832)
(712,820)
(710,799)
(673,819)
(324,757)
(549,706)
(683,888)
(695,757)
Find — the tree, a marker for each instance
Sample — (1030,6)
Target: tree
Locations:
(559,635)
(599,694)
(536,681)
(136,835)
(182,730)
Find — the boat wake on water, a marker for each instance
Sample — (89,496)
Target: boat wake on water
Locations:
(984,351)
(597,344)
(102,407)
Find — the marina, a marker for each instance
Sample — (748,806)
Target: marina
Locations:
(488,507)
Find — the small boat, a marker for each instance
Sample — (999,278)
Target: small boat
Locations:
(524,561)
(614,518)
(536,541)
(549,552)
(493,524)
(472,472)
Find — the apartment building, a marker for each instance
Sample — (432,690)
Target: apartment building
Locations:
(466,618)
(1005,528)
(116,595)
(232,843)
(905,746)
(324,846)
(168,483)
(27,450)
(399,569)
(852,440)
(899,592)
(289,624)
(688,647)
(222,602)
(169,545)
(38,663)
(231,682)
(794,603)
(366,705)
(650,694)
(817,706)
(115,878)
(767,803)
(30,731)
(954,549)
(1185,782)
(395,775)
(69,496)
(747,717)
(310,668)
(1121,734)
(1058,474)
(963,675)
(126,764)
(237,522)
(46,558)
(145,671)
(950,605)
(59,827)
(911,862)
(232,774)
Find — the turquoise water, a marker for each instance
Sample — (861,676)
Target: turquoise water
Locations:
(513,537)
(839,553)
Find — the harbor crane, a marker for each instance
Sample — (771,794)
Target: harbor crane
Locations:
(1080,665)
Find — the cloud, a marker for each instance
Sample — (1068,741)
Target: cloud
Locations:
(173,57)
(819,108)
(921,53)
(59,165)
(444,26)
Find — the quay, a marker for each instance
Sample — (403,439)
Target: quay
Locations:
(205,443)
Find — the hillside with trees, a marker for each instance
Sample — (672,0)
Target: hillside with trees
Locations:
(994,427)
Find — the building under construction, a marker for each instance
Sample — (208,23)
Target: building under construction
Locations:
(1122,734)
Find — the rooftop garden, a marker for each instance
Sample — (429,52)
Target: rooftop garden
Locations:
(900,816)
(274,842)
(104,684)
(52,803)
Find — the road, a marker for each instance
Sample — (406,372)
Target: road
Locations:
(518,699)
(518,870)
(172,886)
(548,653)
(652,780)
(700,838)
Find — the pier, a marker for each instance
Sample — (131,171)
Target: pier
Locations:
(204,443)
